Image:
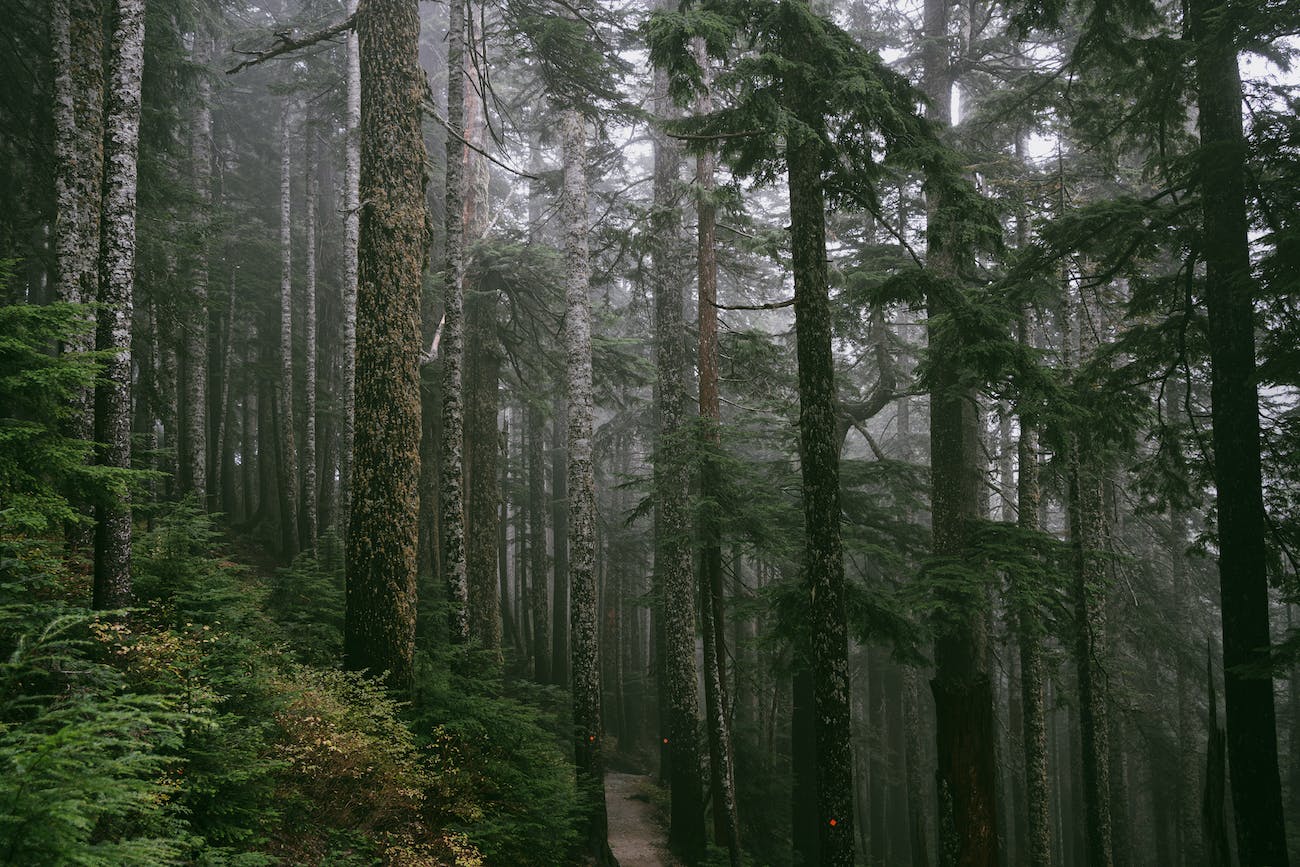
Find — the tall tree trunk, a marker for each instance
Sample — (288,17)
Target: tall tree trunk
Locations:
(1229,301)
(452,484)
(963,695)
(194,414)
(721,762)
(674,562)
(286,449)
(1029,634)
(537,544)
(310,528)
(588,730)
(112,576)
(379,632)
(78,59)
(482,485)
(1087,537)
(351,229)
(823,563)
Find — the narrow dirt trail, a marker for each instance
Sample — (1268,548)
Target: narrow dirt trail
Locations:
(635,837)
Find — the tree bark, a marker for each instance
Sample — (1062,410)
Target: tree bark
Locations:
(963,695)
(537,544)
(721,762)
(310,523)
(588,730)
(286,448)
(351,228)
(823,565)
(1229,301)
(452,484)
(194,415)
(112,575)
(383,535)
(1029,637)
(78,59)
(674,561)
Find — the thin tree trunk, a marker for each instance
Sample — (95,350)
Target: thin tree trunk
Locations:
(286,449)
(588,730)
(482,485)
(452,485)
(383,532)
(1087,536)
(351,228)
(194,415)
(823,556)
(112,576)
(537,544)
(721,761)
(1243,575)
(1029,635)
(310,522)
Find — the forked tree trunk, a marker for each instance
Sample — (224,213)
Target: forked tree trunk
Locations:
(383,534)
(112,578)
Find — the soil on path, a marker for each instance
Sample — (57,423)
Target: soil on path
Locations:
(635,836)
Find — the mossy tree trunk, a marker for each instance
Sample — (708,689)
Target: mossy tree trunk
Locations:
(383,532)
(823,555)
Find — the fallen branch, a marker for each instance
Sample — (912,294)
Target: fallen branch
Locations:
(286,42)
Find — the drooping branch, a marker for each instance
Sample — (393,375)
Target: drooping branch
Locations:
(286,42)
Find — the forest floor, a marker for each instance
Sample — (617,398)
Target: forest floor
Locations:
(635,835)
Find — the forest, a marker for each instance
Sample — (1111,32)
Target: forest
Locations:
(680,433)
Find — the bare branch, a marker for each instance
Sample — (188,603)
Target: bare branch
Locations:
(433,110)
(286,42)
(772,305)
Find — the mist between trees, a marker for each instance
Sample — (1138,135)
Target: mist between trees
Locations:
(748,432)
